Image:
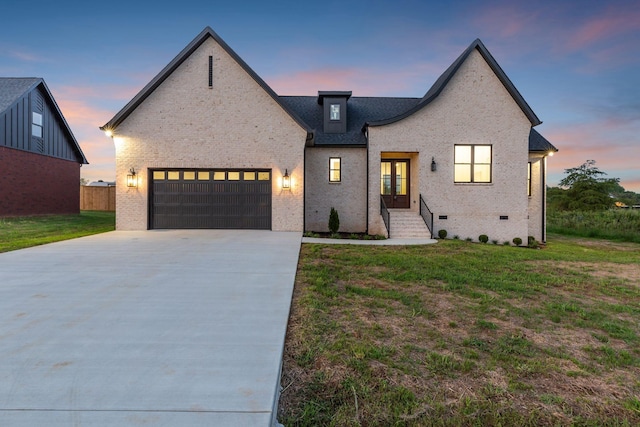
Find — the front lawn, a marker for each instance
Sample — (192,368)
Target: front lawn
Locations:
(23,232)
(464,334)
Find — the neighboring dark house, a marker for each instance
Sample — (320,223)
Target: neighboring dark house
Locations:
(40,158)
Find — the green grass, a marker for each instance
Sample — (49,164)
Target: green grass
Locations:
(23,232)
(462,333)
(618,224)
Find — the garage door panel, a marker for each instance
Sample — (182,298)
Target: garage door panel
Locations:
(217,199)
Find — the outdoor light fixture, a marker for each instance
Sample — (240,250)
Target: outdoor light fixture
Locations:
(132,178)
(433,164)
(109,133)
(550,154)
(286,180)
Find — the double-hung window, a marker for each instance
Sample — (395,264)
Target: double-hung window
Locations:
(334,169)
(36,125)
(472,163)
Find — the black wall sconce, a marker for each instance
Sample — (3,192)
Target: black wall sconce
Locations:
(132,178)
(433,164)
(286,180)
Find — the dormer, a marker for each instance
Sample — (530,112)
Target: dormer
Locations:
(334,110)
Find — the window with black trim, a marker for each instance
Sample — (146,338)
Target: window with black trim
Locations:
(334,112)
(529,180)
(36,125)
(334,169)
(472,163)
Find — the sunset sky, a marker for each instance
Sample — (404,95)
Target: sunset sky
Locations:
(577,63)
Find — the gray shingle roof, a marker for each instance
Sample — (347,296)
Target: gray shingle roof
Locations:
(538,142)
(359,111)
(12,88)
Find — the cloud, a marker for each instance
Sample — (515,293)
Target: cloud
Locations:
(81,107)
(507,19)
(631,185)
(24,56)
(361,81)
(594,141)
(613,22)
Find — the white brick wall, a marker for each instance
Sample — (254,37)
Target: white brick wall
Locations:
(537,199)
(348,197)
(186,124)
(474,108)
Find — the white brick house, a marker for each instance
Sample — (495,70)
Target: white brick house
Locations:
(214,147)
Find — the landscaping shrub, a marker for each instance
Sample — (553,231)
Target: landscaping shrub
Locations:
(442,233)
(517,241)
(483,238)
(334,221)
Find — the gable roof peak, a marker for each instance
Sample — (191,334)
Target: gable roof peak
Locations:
(14,88)
(177,61)
(448,74)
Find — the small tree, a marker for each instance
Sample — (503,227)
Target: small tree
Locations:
(586,189)
(334,221)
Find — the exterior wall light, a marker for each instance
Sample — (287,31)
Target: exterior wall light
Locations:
(286,180)
(433,164)
(109,133)
(132,178)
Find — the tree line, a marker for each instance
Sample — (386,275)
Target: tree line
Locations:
(586,188)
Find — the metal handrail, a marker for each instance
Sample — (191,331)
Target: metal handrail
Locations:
(427,215)
(386,216)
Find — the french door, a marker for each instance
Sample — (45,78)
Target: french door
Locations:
(394,183)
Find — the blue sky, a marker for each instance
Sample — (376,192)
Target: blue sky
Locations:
(577,63)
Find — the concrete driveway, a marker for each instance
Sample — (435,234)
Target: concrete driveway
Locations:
(161,328)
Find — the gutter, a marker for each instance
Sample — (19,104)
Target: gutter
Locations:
(544,199)
(365,129)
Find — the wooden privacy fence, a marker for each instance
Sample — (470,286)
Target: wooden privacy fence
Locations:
(97,198)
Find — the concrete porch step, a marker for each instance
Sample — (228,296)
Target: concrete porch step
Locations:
(407,225)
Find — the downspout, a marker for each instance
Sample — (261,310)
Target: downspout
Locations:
(544,199)
(304,182)
(366,136)
(304,189)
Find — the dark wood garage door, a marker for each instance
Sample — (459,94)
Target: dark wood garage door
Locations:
(210,198)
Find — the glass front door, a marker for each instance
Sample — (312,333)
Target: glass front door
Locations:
(394,183)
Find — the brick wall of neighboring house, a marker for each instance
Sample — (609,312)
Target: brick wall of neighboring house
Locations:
(186,124)
(348,197)
(474,108)
(33,184)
